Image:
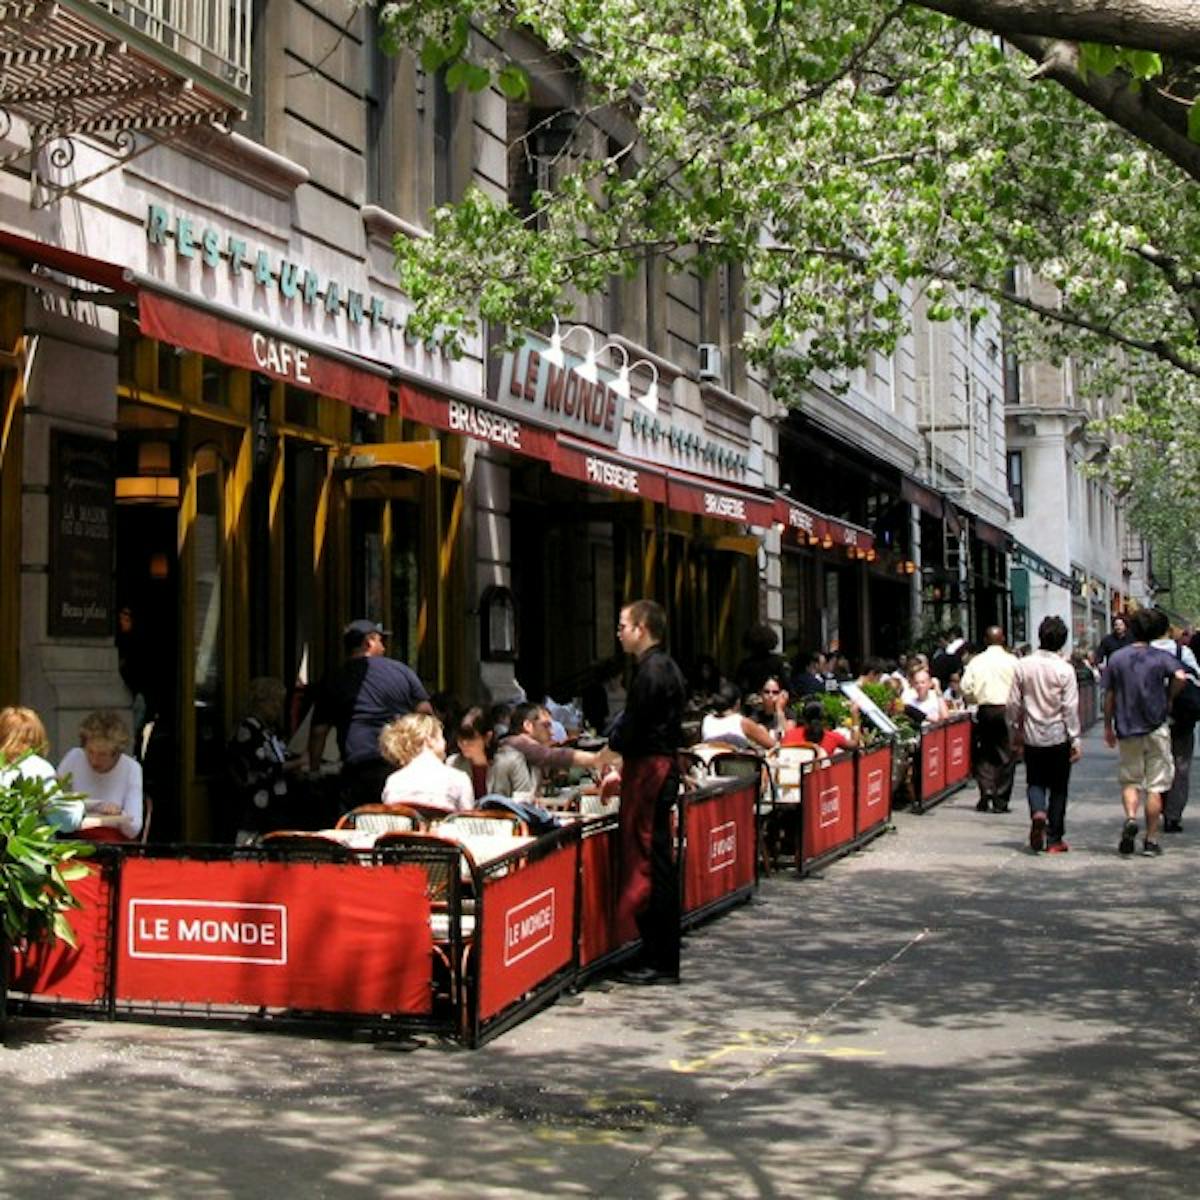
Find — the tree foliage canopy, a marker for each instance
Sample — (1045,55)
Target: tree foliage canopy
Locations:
(836,152)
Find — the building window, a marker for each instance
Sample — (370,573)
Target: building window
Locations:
(1016,482)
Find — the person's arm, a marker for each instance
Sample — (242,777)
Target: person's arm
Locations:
(1110,710)
(318,731)
(131,798)
(1071,712)
(423,706)
(756,733)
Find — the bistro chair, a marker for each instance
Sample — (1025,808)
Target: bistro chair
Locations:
(746,764)
(289,845)
(147,813)
(786,775)
(485,822)
(383,818)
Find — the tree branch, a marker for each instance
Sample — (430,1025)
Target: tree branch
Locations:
(1112,96)
(1169,26)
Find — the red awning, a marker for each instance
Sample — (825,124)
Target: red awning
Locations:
(804,523)
(477,420)
(708,498)
(602,468)
(68,262)
(263,350)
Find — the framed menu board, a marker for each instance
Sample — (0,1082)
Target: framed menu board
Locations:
(82,471)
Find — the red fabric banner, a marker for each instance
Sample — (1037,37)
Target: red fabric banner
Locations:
(54,969)
(479,421)
(331,937)
(958,750)
(602,469)
(266,351)
(827,811)
(933,762)
(872,788)
(526,930)
(714,499)
(719,858)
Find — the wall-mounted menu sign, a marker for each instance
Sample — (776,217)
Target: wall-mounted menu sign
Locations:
(81,536)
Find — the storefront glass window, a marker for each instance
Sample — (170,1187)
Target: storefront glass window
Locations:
(206,609)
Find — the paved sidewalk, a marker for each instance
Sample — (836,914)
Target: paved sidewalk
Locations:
(943,1014)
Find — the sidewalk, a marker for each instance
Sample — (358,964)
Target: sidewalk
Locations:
(943,1014)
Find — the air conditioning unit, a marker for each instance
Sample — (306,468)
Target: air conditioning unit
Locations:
(710,360)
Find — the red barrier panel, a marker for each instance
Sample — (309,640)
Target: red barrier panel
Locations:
(933,762)
(525,929)
(719,859)
(827,810)
(873,788)
(958,751)
(329,937)
(61,972)
(598,932)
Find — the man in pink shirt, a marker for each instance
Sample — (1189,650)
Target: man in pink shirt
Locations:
(1043,713)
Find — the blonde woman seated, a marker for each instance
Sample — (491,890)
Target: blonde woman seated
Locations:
(728,725)
(417,745)
(109,781)
(23,747)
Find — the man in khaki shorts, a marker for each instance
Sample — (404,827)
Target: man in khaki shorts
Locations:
(1140,682)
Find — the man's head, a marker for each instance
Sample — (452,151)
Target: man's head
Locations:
(1052,634)
(363,638)
(1119,625)
(1149,624)
(643,624)
(994,636)
(532,720)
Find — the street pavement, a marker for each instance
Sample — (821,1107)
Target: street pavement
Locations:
(941,1014)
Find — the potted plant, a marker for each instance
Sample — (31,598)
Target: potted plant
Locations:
(36,868)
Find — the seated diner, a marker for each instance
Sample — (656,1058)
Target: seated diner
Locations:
(416,745)
(107,779)
(525,757)
(814,731)
(727,724)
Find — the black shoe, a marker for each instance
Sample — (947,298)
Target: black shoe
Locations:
(1151,849)
(1128,837)
(983,806)
(997,807)
(646,977)
(1172,826)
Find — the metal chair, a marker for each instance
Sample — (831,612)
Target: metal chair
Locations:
(291,845)
(383,818)
(487,822)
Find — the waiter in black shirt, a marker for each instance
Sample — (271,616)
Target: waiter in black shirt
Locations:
(647,738)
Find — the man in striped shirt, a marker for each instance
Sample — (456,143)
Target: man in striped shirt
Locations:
(1043,712)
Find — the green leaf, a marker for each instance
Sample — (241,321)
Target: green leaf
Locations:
(1144,64)
(1097,59)
(456,74)
(433,55)
(477,77)
(514,82)
(1194,121)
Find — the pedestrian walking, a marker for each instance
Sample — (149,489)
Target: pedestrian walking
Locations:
(648,737)
(1043,712)
(1183,731)
(1140,682)
(986,683)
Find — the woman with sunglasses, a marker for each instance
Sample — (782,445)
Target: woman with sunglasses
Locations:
(770,707)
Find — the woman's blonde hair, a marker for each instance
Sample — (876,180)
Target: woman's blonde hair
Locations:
(105,727)
(404,738)
(21,730)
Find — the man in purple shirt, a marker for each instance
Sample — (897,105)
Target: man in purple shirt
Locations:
(1140,682)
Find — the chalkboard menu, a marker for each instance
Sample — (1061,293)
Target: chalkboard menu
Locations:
(82,471)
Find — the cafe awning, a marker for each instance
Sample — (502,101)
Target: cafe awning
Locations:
(725,502)
(277,353)
(803,523)
(477,419)
(604,468)
(71,263)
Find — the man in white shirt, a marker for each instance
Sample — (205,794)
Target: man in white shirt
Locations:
(1043,710)
(1183,736)
(986,683)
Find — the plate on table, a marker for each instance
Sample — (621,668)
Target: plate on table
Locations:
(590,743)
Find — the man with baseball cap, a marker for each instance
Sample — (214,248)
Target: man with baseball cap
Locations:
(358,699)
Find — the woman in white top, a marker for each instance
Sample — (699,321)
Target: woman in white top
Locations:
(728,724)
(107,778)
(417,745)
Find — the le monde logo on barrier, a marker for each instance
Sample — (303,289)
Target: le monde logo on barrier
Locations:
(209,931)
